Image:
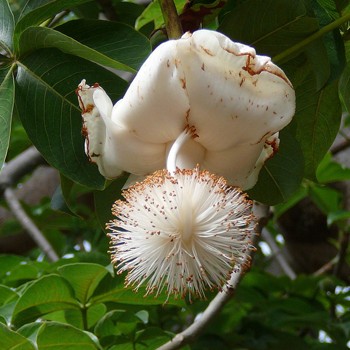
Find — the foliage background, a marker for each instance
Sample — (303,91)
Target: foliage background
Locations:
(295,297)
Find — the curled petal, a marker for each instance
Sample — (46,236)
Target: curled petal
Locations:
(233,99)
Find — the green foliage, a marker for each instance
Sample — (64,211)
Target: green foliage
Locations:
(46,48)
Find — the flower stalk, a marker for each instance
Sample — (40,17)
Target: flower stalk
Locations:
(171,19)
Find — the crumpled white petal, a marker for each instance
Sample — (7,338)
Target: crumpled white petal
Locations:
(235,100)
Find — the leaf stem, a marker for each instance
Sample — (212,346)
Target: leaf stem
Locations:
(317,35)
(171,19)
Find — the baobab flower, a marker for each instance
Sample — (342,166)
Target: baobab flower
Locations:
(236,100)
(183,231)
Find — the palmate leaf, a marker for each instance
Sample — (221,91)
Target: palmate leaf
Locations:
(111,44)
(6,26)
(48,107)
(7,93)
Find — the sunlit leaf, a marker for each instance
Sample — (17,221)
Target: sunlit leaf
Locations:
(331,171)
(57,336)
(11,340)
(153,13)
(84,278)
(53,123)
(47,294)
(6,295)
(326,198)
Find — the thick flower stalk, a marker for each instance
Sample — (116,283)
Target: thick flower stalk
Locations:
(184,232)
(235,100)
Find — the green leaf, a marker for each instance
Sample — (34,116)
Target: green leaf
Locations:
(111,44)
(326,12)
(7,96)
(57,336)
(327,199)
(104,200)
(6,26)
(152,338)
(344,87)
(37,11)
(153,13)
(53,122)
(116,323)
(9,262)
(84,278)
(336,216)
(281,176)
(317,118)
(11,340)
(112,289)
(331,171)
(270,26)
(47,294)
(7,295)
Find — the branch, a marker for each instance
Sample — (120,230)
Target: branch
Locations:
(23,164)
(217,304)
(340,147)
(267,237)
(171,19)
(28,224)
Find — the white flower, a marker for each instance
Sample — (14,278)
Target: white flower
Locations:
(184,231)
(235,100)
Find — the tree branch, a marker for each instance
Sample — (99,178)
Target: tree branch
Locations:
(23,164)
(28,224)
(217,304)
(267,237)
(12,172)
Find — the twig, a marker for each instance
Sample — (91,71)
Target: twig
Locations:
(326,267)
(28,224)
(267,237)
(171,19)
(340,147)
(217,304)
(20,166)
